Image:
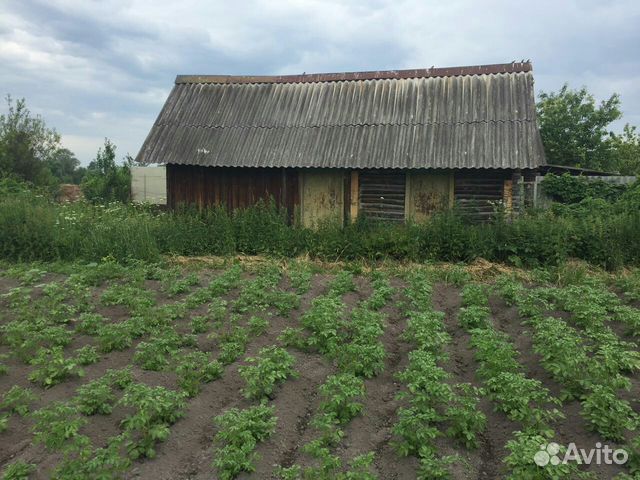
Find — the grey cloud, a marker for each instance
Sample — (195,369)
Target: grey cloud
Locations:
(96,69)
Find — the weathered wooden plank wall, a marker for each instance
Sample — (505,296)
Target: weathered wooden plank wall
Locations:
(382,194)
(322,195)
(231,187)
(427,193)
(477,191)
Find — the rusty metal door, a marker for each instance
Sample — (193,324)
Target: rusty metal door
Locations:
(382,195)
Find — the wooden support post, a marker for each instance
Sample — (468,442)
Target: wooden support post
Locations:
(452,190)
(355,196)
(507,196)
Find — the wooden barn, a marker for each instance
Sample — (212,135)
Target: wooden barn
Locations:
(394,145)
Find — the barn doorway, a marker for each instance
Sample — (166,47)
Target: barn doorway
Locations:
(382,194)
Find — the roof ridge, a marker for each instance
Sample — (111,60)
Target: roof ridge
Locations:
(497,68)
(344,125)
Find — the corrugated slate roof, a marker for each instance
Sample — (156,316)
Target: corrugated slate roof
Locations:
(470,117)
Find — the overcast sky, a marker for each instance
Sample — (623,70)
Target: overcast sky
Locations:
(96,69)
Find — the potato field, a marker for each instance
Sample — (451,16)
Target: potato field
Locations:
(300,370)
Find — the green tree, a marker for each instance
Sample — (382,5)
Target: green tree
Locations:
(65,167)
(627,147)
(575,130)
(25,144)
(105,180)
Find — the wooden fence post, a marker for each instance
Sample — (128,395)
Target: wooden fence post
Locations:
(355,196)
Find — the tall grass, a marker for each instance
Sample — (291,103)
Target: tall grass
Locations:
(35,228)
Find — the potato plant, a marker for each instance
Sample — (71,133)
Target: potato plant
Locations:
(522,399)
(89,463)
(90,323)
(607,414)
(272,367)
(57,425)
(173,285)
(233,345)
(330,467)
(95,397)
(18,470)
(522,449)
(342,283)
(115,336)
(155,409)
(592,378)
(155,353)
(300,277)
(195,368)
(86,355)
(433,401)
(52,367)
(17,400)
(323,321)
(239,432)
(136,298)
(361,352)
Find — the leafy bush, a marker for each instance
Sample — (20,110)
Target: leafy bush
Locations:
(567,188)
(34,228)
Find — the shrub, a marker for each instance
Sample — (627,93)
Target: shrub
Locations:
(567,188)
(599,230)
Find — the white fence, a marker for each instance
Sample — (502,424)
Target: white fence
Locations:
(149,185)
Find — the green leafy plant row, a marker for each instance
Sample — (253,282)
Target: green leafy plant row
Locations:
(588,373)
(239,432)
(436,406)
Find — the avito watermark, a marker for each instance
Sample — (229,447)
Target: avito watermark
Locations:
(552,453)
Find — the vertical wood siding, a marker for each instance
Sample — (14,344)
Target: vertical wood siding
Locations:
(231,187)
(427,193)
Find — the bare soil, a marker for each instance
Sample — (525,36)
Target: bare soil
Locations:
(189,450)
